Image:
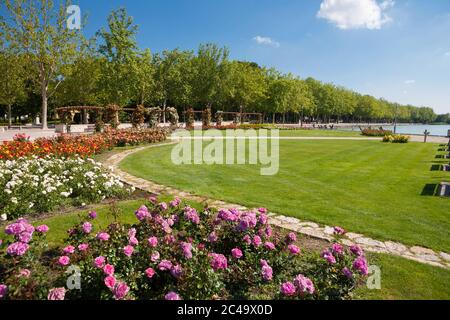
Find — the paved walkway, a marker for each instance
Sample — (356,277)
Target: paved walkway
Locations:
(312,229)
(33,133)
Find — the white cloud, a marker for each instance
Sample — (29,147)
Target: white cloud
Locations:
(356,14)
(266,41)
(410,81)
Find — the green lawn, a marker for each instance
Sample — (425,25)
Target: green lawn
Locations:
(400,278)
(365,186)
(321,133)
(403,279)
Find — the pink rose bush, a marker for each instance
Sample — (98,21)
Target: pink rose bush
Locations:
(174,251)
(22,274)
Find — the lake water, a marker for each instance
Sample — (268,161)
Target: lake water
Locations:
(436,130)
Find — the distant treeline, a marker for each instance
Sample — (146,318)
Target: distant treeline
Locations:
(110,68)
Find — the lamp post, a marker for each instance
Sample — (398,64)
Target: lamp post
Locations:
(448,136)
(426,134)
(395,119)
(301,118)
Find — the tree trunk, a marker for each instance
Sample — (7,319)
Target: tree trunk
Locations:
(44,110)
(9,117)
(273,118)
(44,99)
(164,111)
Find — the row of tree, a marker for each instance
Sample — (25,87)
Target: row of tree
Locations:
(46,65)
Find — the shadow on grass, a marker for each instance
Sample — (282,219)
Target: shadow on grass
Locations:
(430,189)
(436,167)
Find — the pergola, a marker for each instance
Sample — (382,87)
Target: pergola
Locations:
(243,115)
(84,110)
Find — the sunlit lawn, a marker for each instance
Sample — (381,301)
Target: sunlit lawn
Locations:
(365,186)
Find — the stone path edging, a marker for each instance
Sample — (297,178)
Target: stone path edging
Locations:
(311,229)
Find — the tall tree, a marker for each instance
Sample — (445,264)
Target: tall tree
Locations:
(173,78)
(207,74)
(39,30)
(245,84)
(12,69)
(81,83)
(144,71)
(120,51)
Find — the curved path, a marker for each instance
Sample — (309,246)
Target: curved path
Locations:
(312,229)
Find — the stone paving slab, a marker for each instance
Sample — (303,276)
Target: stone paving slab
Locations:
(311,229)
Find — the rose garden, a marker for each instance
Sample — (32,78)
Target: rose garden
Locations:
(94,207)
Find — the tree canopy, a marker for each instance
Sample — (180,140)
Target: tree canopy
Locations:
(63,68)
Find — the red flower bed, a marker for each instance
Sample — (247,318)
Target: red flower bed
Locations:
(83,145)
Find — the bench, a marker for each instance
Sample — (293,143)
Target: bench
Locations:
(444,189)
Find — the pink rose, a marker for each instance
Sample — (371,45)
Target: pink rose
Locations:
(3,291)
(56,294)
(293,249)
(69,250)
(236,253)
(257,241)
(87,227)
(64,260)
(288,289)
(150,272)
(83,247)
(269,246)
(103,236)
(133,241)
(128,251)
(155,256)
(153,242)
(99,262)
(172,296)
(42,229)
(110,282)
(108,269)
(120,290)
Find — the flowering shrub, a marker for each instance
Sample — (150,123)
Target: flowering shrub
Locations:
(22,274)
(177,252)
(375,132)
(42,184)
(21,137)
(134,137)
(82,145)
(396,138)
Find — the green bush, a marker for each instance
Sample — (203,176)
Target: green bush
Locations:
(376,132)
(396,138)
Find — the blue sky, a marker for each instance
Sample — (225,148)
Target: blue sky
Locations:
(399,50)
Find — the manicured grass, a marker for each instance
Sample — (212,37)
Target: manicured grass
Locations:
(403,279)
(59,224)
(320,133)
(400,278)
(370,187)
